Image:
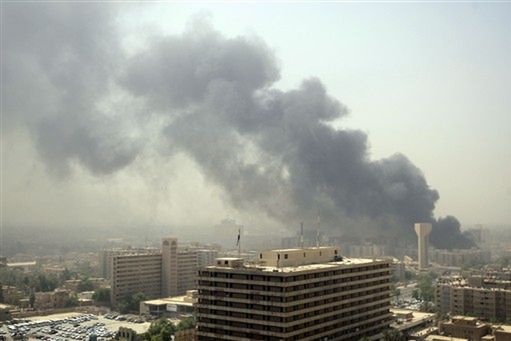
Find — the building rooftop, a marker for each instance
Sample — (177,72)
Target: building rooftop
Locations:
(345,262)
(417,318)
(21,264)
(189,299)
(443,338)
(504,327)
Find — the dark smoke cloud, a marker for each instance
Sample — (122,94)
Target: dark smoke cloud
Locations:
(272,151)
(58,62)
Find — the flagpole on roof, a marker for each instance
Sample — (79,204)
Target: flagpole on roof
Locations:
(238,243)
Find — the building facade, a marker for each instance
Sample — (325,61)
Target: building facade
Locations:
(187,270)
(294,294)
(134,273)
(457,297)
(469,328)
(168,272)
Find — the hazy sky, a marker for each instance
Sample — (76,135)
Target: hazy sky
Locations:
(431,81)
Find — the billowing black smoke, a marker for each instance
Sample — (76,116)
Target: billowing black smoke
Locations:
(272,151)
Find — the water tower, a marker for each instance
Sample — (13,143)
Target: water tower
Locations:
(423,230)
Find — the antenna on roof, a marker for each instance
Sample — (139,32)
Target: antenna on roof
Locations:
(238,242)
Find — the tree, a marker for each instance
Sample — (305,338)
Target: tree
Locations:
(415,294)
(85,284)
(72,301)
(136,299)
(393,335)
(31,299)
(425,285)
(1,293)
(160,330)
(102,295)
(397,293)
(186,323)
(131,303)
(66,275)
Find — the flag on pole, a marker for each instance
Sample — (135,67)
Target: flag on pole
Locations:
(238,241)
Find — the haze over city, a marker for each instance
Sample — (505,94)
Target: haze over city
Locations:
(104,113)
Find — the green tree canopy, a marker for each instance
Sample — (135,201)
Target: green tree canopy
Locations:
(85,284)
(160,330)
(186,323)
(102,295)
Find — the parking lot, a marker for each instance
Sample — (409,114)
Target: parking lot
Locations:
(71,326)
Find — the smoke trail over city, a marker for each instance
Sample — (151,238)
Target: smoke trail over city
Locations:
(273,152)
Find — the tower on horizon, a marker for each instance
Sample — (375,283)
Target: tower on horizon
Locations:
(423,230)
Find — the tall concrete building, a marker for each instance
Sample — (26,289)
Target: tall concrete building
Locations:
(134,273)
(186,270)
(206,257)
(294,294)
(106,258)
(169,266)
(170,271)
(423,230)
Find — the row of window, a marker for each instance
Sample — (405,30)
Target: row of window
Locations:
(290,289)
(321,299)
(346,328)
(267,317)
(283,277)
(218,295)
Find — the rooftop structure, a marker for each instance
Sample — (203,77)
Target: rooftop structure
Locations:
(177,305)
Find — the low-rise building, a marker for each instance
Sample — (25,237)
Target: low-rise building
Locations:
(469,328)
(170,306)
(52,299)
(454,295)
(459,258)
(411,321)
(502,333)
(433,337)
(11,295)
(5,312)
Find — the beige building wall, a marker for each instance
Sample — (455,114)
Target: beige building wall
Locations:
(133,273)
(487,303)
(295,257)
(335,300)
(169,268)
(465,327)
(186,271)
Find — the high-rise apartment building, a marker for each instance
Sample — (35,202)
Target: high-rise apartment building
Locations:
(106,256)
(206,257)
(169,267)
(294,294)
(134,273)
(187,270)
(170,271)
